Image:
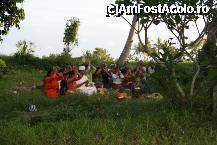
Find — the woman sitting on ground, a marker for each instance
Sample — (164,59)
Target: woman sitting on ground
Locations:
(101,79)
(51,83)
(117,77)
(63,81)
(97,78)
(140,70)
(127,72)
(71,81)
(106,76)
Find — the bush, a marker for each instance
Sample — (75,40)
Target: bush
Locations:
(2,64)
(162,82)
(2,67)
(44,63)
(60,60)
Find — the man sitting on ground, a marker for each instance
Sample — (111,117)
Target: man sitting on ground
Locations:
(82,82)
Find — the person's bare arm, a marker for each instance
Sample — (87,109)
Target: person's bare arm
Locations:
(71,79)
(107,72)
(79,85)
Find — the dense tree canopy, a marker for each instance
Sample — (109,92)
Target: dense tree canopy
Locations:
(10,15)
(98,56)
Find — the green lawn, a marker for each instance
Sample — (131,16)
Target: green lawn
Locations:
(91,120)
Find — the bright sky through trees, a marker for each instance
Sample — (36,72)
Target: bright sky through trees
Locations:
(45,22)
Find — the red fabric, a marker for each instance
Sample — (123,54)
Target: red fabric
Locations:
(52,86)
(72,84)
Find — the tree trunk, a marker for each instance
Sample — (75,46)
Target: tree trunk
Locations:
(212,32)
(212,42)
(194,79)
(184,98)
(146,37)
(126,51)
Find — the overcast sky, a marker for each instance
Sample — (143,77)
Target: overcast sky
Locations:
(45,20)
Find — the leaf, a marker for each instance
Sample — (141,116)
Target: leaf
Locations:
(156,22)
(178,55)
(177,19)
(187,26)
(144,21)
(171,22)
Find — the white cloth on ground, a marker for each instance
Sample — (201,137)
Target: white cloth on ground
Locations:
(85,89)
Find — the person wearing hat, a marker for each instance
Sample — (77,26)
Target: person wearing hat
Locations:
(82,78)
(83,82)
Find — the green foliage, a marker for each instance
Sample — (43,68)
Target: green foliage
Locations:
(208,62)
(44,63)
(167,52)
(98,56)
(24,49)
(2,67)
(139,51)
(71,35)
(163,82)
(212,77)
(10,15)
(207,56)
(60,60)
(2,64)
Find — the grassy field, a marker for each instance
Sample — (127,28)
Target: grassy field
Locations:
(91,120)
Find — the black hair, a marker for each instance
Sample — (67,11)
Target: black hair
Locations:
(71,73)
(49,72)
(61,70)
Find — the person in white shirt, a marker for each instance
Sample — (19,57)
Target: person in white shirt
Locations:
(82,83)
(117,77)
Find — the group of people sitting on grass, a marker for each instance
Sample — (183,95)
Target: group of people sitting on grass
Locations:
(67,81)
(64,81)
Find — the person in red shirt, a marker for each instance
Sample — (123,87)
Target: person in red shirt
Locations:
(71,81)
(51,83)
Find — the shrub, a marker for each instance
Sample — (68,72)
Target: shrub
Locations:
(98,56)
(44,63)
(60,60)
(162,82)
(2,67)
(2,64)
